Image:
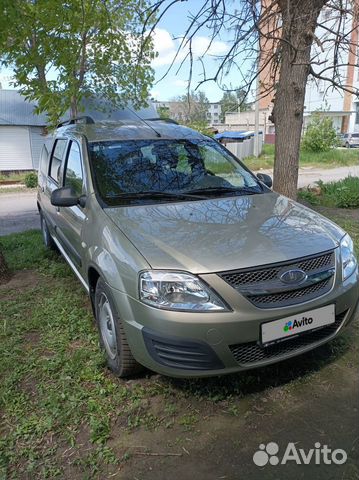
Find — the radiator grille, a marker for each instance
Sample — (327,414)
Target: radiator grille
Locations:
(263,287)
(252,353)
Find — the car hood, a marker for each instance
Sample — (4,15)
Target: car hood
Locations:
(225,233)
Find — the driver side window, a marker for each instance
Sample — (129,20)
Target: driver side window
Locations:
(73,173)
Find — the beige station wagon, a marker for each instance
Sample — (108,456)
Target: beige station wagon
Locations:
(193,265)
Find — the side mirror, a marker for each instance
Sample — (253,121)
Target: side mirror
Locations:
(266,179)
(65,197)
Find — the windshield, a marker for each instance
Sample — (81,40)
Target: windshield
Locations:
(137,171)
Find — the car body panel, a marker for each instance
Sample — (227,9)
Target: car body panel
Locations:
(225,233)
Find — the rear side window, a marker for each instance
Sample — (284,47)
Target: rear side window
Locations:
(56,159)
(73,173)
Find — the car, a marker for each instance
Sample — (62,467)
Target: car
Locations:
(349,140)
(193,265)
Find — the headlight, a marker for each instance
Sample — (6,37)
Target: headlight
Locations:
(178,291)
(349,261)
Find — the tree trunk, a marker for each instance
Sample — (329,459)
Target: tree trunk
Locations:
(4,271)
(74,108)
(299,19)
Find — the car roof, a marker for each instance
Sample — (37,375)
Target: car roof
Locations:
(130,130)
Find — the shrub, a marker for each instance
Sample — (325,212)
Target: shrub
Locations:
(341,194)
(201,127)
(31,180)
(320,135)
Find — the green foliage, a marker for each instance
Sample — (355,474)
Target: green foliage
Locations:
(93,47)
(30,180)
(163,112)
(320,135)
(201,127)
(233,102)
(191,108)
(12,176)
(341,194)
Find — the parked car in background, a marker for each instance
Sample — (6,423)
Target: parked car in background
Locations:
(350,140)
(193,265)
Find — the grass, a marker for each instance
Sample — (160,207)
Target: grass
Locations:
(341,194)
(334,158)
(13,176)
(62,411)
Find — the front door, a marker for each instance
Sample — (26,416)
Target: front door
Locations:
(70,220)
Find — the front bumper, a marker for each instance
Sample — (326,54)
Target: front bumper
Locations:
(208,344)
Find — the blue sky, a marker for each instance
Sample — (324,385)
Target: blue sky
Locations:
(172,26)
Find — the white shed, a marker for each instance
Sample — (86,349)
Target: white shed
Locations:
(22,133)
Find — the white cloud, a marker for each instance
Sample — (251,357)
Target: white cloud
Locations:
(203,45)
(155,94)
(163,41)
(180,83)
(167,48)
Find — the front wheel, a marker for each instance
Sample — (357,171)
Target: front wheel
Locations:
(112,334)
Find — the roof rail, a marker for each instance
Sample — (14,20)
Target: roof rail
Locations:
(85,119)
(167,120)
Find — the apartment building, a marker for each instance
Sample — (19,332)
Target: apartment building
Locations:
(341,106)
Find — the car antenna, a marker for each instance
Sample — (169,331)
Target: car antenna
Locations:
(144,121)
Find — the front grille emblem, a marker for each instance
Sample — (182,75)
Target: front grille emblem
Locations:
(293,277)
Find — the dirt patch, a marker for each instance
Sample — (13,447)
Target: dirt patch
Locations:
(31,338)
(222,446)
(10,182)
(29,386)
(4,270)
(19,282)
(344,213)
(330,212)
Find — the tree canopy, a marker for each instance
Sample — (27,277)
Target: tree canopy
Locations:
(63,52)
(282,42)
(232,102)
(191,108)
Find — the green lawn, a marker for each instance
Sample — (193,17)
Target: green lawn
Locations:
(14,177)
(65,416)
(334,158)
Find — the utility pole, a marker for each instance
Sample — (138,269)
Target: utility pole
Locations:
(256,118)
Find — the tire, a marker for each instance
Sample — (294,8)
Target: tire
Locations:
(112,334)
(46,237)
(347,145)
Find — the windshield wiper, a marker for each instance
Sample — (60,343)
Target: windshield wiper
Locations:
(154,194)
(238,190)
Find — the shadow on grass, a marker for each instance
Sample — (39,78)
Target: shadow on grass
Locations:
(296,369)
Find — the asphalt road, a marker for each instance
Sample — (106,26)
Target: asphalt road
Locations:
(18,211)
(309,175)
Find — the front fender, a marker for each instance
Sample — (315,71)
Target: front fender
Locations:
(117,261)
